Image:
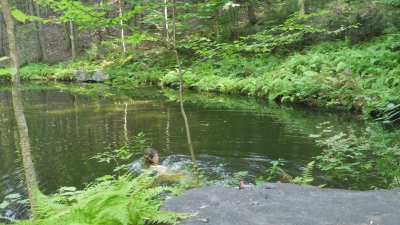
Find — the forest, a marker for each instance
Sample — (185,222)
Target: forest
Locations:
(290,91)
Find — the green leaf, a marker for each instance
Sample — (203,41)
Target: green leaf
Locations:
(5,72)
(19,15)
(4,205)
(341,66)
(13,196)
(67,189)
(13,71)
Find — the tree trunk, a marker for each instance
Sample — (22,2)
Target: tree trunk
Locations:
(121,22)
(302,7)
(180,73)
(24,143)
(125,119)
(166,26)
(29,169)
(2,50)
(39,30)
(12,43)
(72,39)
(174,23)
(251,12)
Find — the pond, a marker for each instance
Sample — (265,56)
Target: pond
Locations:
(230,134)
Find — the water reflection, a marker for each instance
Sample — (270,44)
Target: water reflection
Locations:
(231,134)
(187,128)
(25,148)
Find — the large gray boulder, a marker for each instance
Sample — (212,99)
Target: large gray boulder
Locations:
(96,76)
(287,204)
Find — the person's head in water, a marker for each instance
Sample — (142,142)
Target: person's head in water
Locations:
(151,157)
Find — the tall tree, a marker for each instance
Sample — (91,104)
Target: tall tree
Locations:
(34,10)
(24,143)
(166,25)
(12,42)
(121,21)
(251,12)
(180,73)
(72,38)
(302,7)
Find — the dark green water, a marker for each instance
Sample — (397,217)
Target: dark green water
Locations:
(229,134)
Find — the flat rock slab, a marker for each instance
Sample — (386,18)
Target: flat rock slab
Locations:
(287,204)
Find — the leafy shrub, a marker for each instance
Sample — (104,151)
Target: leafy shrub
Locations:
(122,157)
(63,71)
(361,78)
(277,173)
(5,73)
(365,19)
(363,161)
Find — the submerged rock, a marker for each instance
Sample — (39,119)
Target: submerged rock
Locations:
(287,204)
(96,76)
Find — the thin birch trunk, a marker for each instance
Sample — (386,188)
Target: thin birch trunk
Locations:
(174,23)
(180,73)
(72,39)
(126,123)
(166,25)
(121,22)
(302,8)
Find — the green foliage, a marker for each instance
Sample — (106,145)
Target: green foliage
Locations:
(62,72)
(362,161)
(237,178)
(19,15)
(123,200)
(85,16)
(277,173)
(124,155)
(361,78)
(331,75)
(389,115)
(5,73)
(290,34)
(307,177)
(395,3)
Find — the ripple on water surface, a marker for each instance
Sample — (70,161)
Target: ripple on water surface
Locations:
(229,134)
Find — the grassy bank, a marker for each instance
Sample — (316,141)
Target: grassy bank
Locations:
(362,78)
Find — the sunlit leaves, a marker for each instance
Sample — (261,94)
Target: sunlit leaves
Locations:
(138,38)
(19,15)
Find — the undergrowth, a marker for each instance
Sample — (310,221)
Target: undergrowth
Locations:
(110,201)
(362,78)
(349,160)
(366,160)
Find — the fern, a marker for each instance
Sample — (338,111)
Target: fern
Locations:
(307,177)
(121,201)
